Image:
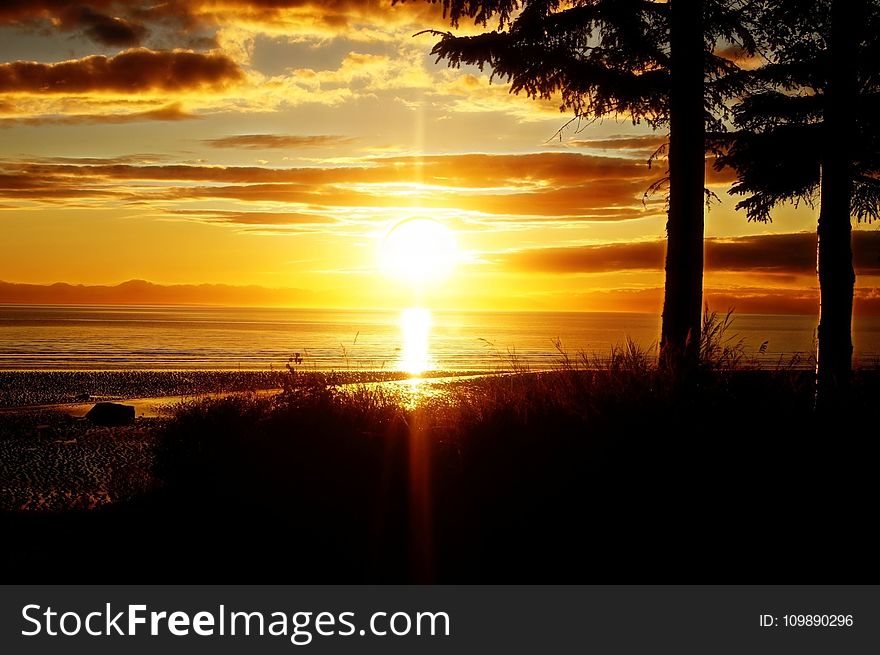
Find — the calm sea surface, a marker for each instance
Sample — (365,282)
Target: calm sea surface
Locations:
(103,337)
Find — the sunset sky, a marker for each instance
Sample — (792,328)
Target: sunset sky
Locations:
(265,147)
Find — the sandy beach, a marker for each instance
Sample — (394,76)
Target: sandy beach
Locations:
(54,459)
(50,461)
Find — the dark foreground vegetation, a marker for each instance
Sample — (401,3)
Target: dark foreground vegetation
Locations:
(571,476)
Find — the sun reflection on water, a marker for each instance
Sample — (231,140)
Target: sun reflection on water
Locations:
(415,353)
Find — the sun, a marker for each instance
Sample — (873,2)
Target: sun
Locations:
(418,250)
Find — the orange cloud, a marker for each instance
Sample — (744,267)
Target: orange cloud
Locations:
(172,112)
(267,141)
(300,221)
(315,15)
(648,143)
(541,186)
(740,57)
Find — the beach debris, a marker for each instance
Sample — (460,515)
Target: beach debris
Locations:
(111,414)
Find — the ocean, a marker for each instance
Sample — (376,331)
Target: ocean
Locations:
(229,338)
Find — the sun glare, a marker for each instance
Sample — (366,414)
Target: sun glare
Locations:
(418,250)
(415,325)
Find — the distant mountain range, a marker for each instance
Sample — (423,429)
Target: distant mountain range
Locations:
(142,292)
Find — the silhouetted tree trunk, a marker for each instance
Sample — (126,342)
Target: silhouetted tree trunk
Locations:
(834,260)
(680,334)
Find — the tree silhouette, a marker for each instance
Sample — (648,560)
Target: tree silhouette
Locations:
(651,61)
(807,127)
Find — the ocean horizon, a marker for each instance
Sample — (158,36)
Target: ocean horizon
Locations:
(105,337)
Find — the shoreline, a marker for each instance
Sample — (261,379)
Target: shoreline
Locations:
(48,390)
(155,393)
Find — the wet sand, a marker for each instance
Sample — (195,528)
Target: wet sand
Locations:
(50,461)
(53,459)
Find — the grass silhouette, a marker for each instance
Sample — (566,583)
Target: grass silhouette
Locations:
(596,471)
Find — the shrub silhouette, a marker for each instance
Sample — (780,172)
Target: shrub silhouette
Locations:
(554,476)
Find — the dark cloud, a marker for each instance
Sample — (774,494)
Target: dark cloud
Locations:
(793,253)
(19,11)
(789,253)
(105,29)
(587,259)
(132,71)
(776,254)
(88,18)
(193,24)
(268,141)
